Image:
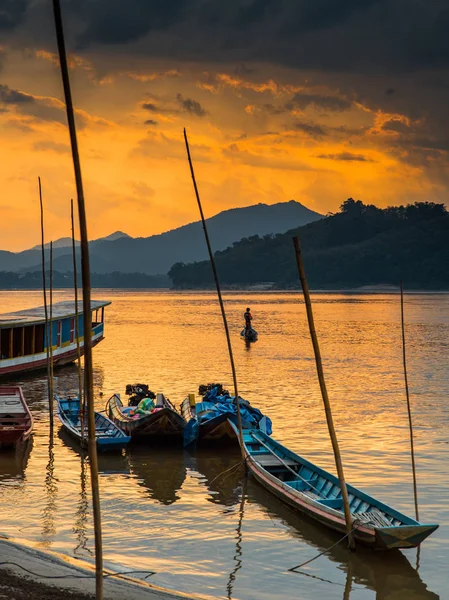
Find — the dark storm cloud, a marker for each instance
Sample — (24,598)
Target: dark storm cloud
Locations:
(191,106)
(343,35)
(10,96)
(395,125)
(346,156)
(12,13)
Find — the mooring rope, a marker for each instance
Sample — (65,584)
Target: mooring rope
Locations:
(307,562)
(79,576)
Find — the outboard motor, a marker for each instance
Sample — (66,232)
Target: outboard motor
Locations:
(137,392)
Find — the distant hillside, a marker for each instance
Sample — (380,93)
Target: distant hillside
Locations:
(66,242)
(33,281)
(360,246)
(156,254)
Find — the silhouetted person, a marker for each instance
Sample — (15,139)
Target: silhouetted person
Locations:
(248,318)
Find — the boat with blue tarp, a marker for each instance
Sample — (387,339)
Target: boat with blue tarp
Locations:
(108,436)
(210,421)
(317,493)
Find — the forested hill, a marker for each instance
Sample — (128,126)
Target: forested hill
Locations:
(361,245)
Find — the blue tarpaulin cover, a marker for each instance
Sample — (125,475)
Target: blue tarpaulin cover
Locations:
(214,405)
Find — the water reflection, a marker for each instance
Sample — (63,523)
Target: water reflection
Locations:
(14,461)
(222,473)
(161,471)
(51,491)
(238,556)
(392,577)
(82,513)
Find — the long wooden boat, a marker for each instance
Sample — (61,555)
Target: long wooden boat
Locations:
(23,337)
(16,421)
(317,493)
(108,435)
(162,424)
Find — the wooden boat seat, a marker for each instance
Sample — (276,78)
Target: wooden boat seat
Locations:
(268,460)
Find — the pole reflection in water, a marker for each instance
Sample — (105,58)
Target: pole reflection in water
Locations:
(82,513)
(348,586)
(51,490)
(238,544)
(392,577)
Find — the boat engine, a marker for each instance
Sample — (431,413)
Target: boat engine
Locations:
(137,392)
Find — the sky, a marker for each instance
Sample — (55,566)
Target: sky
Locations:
(281,99)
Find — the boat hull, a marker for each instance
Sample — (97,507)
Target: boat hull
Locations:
(16,421)
(164,425)
(35,362)
(108,436)
(408,534)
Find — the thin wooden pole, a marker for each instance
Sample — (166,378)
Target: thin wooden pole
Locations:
(85,271)
(409,410)
(52,381)
(220,299)
(77,335)
(327,406)
(47,337)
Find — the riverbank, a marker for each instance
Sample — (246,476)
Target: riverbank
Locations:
(50,575)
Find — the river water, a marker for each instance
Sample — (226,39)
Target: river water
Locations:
(164,511)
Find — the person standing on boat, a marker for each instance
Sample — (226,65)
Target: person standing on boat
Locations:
(248,318)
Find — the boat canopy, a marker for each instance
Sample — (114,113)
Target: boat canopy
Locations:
(60,310)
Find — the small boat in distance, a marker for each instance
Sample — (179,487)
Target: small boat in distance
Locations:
(249,335)
(151,420)
(23,338)
(16,422)
(108,435)
(317,493)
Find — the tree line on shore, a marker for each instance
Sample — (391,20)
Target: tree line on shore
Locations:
(361,245)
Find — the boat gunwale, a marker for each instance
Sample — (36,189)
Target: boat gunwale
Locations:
(26,433)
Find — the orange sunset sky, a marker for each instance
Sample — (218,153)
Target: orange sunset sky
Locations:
(279,102)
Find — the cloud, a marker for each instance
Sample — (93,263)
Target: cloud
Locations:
(151,107)
(191,106)
(311,129)
(47,145)
(150,122)
(9,96)
(12,13)
(346,156)
(321,102)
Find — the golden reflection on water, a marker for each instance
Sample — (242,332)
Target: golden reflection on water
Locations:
(167,511)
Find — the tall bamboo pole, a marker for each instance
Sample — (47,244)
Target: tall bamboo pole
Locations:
(52,379)
(220,299)
(44,289)
(409,410)
(85,270)
(77,335)
(327,406)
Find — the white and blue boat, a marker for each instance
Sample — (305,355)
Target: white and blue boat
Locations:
(108,435)
(317,493)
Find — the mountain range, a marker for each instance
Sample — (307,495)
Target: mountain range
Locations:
(156,254)
(362,245)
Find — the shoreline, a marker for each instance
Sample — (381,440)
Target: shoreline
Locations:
(73,578)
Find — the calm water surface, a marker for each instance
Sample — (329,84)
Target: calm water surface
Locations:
(165,510)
